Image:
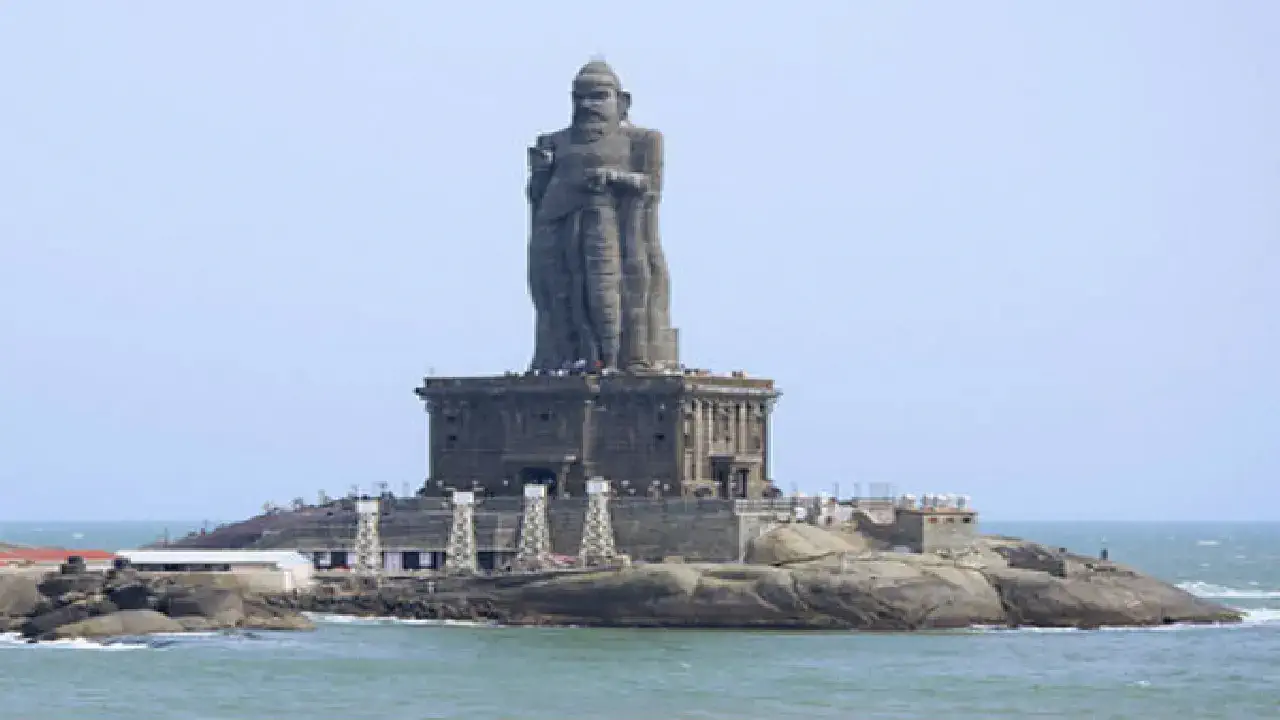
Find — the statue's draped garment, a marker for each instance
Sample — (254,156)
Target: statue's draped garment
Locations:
(597,273)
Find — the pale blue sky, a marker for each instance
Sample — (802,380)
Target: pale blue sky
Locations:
(1025,251)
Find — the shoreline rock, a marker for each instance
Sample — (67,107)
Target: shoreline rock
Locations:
(801,578)
(75,603)
(811,583)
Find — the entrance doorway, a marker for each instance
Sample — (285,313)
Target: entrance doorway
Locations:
(732,479)
(540,476)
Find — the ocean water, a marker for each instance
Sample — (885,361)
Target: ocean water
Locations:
(382,670)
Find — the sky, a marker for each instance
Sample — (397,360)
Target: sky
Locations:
(1026,252)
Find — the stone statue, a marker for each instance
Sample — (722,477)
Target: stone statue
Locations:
(597,274)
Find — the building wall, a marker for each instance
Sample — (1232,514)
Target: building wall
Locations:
(674,435)
(931,531)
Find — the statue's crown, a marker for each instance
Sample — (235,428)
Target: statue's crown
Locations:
(596,72)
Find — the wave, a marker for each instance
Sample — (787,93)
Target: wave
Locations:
(1252,618)
(157,641)
(1261,616)
(14,640)
(1222,592)
(336,619)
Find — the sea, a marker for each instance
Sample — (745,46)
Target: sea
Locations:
(358,669)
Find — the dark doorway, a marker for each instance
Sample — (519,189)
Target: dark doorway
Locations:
(724,487)
(339,561)
(411,560)
(540,476)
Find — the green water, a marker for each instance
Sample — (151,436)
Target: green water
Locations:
(385,671)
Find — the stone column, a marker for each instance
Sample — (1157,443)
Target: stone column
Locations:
(740,412)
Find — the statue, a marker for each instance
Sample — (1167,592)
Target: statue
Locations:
(597,275)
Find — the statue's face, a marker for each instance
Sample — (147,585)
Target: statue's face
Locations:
(596,102)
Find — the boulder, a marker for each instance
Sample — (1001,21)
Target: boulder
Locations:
(872,595)
(125,622)
(43,625)
(55,586)
(19,595)
(1097,599)
(223,607)
(799,542)
(133,596)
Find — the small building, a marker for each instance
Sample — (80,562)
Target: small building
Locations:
(937,522)
(262,570)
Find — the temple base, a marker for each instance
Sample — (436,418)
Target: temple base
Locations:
(657,434)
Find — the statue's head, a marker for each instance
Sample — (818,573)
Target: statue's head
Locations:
(598,97)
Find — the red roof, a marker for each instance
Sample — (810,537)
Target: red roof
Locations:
(46,555)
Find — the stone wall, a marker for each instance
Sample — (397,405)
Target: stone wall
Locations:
(646,529)
(934,530)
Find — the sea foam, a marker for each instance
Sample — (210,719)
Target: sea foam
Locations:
(1222,592)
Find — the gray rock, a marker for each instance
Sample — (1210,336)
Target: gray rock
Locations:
(19,595)
(1098,599)
(1001,581)
(222,606)
(800,542)
(125,622)
(55,586)
(134,596)
(42,626)
(872,595)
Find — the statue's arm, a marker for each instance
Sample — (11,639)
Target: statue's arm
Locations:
(653,154)
(646,176)
(541,163)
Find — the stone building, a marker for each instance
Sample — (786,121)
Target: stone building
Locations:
(660,434)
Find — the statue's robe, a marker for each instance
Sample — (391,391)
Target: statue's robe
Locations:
(596,269)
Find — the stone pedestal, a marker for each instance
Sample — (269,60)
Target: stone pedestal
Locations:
(649,434)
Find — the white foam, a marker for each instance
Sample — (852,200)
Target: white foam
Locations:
(334,619)
(1261,616)
(14,640)
(1207,543)
(1222,592)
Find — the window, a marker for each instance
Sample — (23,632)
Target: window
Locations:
(544,416)
(451,441)
(967,520)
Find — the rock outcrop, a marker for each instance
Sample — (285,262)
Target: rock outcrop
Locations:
(806,577)
(74,603)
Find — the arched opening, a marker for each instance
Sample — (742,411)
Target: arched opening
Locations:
(540,476)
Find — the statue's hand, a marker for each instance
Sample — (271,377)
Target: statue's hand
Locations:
(598,179)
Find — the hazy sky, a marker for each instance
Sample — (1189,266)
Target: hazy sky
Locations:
(1024,251)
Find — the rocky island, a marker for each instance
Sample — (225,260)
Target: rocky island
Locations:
(801,577)
(796,577)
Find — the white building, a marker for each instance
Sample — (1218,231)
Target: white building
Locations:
(262,570)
